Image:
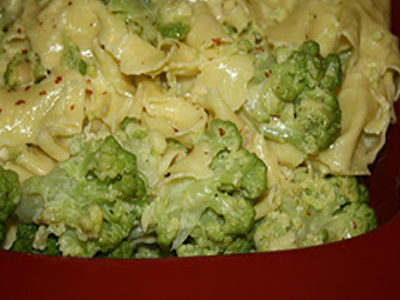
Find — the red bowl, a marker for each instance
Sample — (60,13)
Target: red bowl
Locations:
(366,267)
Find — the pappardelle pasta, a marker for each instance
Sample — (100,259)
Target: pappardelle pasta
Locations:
(140,128)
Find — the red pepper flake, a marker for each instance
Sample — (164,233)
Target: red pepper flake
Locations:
(24,51)
(40,23)
(307,37)
(19,30)
(308,214)
(88,81)
(58,79)
(1,110)
(27,88)
(20,101)
(355,225)
(69,3)
(72,106)
(266,74)
(42,93)
(261,49)
(221,132)
(89,91)
(216,41)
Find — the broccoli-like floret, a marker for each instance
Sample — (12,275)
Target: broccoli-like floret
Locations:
(72,58)
(23,69)
(10,190)
(197,214)
(129,249)
(316,209)
(90,202)
(292,97)
(174,19)
(235,168)
(25,239)
(139,15)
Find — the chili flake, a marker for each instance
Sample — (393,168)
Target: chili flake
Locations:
(261,49)
(24,51)
(20,101)
(89,91)
(217,41)
(72,106)
(221,132)
(58,79)
(42,93)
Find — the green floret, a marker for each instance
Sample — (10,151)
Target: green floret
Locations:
(25,240)
(315,210)
(10,189)
(71,57)
(197,215)
(174,19)
(23,69)
(177,31)
(130,249)
(90,202)
(196,218)
(292,97)
(139,15)
(240,172)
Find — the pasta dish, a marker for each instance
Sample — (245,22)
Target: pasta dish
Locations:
(140,128)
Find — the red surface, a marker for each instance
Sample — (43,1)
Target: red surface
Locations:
(367,267)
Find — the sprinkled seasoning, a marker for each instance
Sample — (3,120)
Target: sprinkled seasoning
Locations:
(217,41)
(58,80)
(221,132)
(19,102)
